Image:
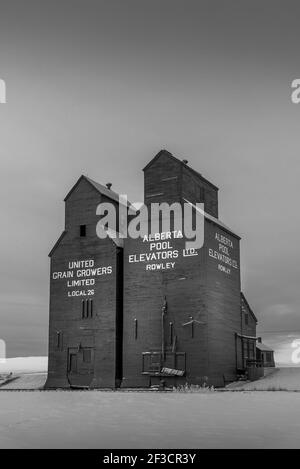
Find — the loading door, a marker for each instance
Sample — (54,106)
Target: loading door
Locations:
(80,366)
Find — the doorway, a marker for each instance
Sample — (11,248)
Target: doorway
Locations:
(80,366)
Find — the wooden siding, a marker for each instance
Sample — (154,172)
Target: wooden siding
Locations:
(125,332)
(169,180)
(99,332)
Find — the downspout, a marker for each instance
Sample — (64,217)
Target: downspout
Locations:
(163,312)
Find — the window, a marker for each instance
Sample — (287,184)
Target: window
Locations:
(268,356)
(246,319)
(82,230)
(87,307)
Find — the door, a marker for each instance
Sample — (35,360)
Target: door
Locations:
(73,363)
(81,366)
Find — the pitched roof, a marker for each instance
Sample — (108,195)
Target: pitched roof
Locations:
(167,153)
(99,187)
(57,243)
(213,219)
(263,347)
(113,235)
(248,306)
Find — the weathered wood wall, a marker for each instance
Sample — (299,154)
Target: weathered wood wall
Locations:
(102,331)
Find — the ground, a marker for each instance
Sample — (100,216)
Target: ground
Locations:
(277,379)
(95,419)
(23,381)
(24,365)
(231,418)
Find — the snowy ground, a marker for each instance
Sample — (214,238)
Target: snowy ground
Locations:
(93,419)
(23,372)
(280,379)
(24,365)
(25,381)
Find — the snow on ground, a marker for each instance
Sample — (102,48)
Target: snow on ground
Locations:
(281,379)
(93,419)
(24,365)
(26,381)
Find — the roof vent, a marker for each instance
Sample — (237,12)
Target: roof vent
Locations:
(185,161)
(108,185)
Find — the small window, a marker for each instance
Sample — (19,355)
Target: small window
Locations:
(268,356)
(82,231)
(246,319)
(87,309)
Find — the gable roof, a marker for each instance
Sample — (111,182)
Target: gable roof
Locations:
(111,234)
(263,347)
(167,153)
(114,236)
(57,243)
(213,219)
(99,187)
(248,306)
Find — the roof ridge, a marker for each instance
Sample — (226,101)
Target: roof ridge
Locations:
(100,188)
(168,153)
(215,220)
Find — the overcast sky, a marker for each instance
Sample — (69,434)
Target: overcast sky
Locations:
(99,87)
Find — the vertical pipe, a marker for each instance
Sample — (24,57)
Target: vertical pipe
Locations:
(135,328)
(163,312)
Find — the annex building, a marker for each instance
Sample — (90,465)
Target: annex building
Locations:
(130,312)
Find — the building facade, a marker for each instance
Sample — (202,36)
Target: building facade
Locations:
(85,331)
(141,312)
